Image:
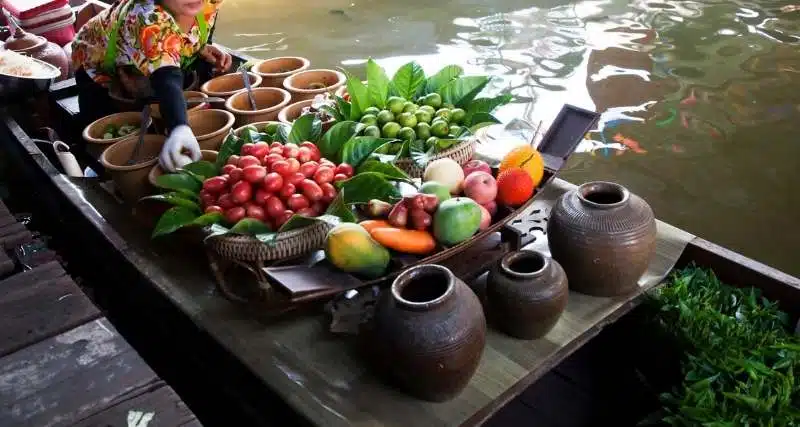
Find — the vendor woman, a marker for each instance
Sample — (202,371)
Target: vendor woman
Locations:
(144,46)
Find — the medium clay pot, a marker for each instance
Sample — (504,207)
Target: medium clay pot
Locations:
(526,292)
(310,83)
(226,85)
(428,333)
(210,127)
(291,112)
(274,71)
(156,171)
(269,101)
(604,236)
(131,180)
(93,133)
(38,47)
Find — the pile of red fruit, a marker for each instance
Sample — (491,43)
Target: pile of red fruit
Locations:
(272,182)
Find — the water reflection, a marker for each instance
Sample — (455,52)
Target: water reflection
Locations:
(699,99)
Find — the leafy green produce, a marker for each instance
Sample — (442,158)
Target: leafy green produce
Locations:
(117,131)
(741,360)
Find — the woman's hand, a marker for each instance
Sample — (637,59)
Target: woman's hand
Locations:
(180,140)
(220,59)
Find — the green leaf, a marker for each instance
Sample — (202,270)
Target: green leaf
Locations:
(366,186)
(300,221)
(208,219)
(377,84)
(334,139)
(305,128)
(217,229)
(359,148)
(478,120)
(419,155)
(359,97)
(202,168)
(176,199)
(250,135)
(179,181)
(340,209)
(408,80)
(485,105)
(232,145)
(442,78)
(250,227)
(388,170)
(343,107)
(174,219)
(462,91)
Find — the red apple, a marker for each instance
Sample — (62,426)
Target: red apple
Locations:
(476,166)
(486,219)
(480,187)
(491,207)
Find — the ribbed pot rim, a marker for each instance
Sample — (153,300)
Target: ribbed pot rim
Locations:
(586,190)
(415,276)
(509,259)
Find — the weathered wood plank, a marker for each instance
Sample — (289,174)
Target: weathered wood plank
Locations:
(40,303)
(14,234)
(160,405)
(69,377)
(6,263)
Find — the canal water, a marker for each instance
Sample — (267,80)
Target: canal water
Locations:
(700,100)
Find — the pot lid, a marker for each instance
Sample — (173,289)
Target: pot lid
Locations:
(22,40)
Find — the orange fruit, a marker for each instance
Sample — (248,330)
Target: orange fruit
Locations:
(514,187)
(527,158)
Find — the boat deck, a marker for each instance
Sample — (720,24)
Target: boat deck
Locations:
(61,362)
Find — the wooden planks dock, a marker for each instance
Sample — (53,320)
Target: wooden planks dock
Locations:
(61,362)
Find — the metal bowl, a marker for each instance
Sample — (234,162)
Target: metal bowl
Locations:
(16,87)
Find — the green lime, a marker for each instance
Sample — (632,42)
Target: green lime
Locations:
(433,99)
(410,107)
(448,105)
(271,128)
(389,130)
(372,131)
(384,117)
(431,142)
(440,128)
(455,130)
(423,130)
(407,134)
(369,119)
(443,113)
(423,116)
(407,120)
(395,104)
(372,110)
(457,115)
(427,108)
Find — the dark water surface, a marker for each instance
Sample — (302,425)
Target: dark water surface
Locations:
(700,100)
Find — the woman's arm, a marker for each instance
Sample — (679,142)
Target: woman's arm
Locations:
(167,83)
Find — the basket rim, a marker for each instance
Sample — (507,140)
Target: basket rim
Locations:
(243,238)
(446,153)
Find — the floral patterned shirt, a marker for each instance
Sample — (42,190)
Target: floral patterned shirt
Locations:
(149,38)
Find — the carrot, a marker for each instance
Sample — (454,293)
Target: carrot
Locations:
(402,240)
(372,224)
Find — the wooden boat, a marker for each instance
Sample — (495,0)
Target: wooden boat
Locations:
(162,295)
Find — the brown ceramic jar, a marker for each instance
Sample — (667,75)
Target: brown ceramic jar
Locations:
(604,236)
(428,333)
(526,292)
(39,48)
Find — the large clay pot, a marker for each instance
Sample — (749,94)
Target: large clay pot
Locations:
(291,112)
(604,236)
(310,83)
(428,333)
(38,47)
(226,85)
(93,133)
(132,180)
(269,101)
(210,127)
(274,71)
(526,292)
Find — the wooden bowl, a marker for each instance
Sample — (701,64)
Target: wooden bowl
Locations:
(210,127)
(156,171)
(274,71)
(291,112)
(269,101)
(131,180)
(93,133)
(226,85)
(302,85)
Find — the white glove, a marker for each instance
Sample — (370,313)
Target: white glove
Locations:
(172,156)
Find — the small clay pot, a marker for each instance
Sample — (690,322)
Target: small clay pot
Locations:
(274,71)
(269,101)
(226,85)
(210,127)
(526,292)
(258,125)
(156,171)
(40,48)
(291,112)
(428,333)
(310,83)
(93,133)
(604,236)
(131,180)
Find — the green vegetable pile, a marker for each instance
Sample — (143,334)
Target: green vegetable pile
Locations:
(116,131)
(741,360)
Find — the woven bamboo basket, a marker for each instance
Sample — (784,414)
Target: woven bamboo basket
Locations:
(285,245)
(461,153)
